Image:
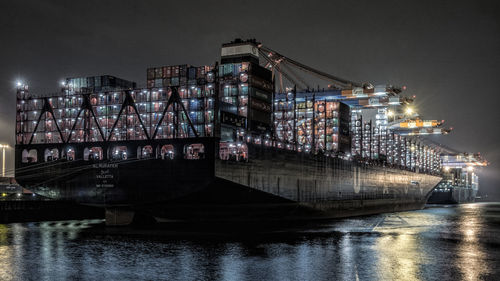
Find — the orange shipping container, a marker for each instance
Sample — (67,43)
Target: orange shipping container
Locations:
(347,93)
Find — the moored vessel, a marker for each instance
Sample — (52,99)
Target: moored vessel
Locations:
(460,182)
(221,143)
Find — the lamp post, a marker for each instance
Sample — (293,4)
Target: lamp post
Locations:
(3,146)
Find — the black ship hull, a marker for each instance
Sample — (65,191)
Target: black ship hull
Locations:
(274,184)
(453,195)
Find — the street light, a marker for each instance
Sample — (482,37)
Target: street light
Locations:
(3,147)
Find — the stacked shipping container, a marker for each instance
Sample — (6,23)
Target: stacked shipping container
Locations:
(316,127)
(376,142)
(103,108)
(177,75)
(110,114)
(245,98)
(99,83)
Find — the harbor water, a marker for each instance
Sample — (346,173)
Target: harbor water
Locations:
(460,242)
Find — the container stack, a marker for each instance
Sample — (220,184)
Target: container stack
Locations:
(317,123)
(79,125)
(99,83)
(245,99)
(176,75)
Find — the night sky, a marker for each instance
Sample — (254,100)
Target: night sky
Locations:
(447,53)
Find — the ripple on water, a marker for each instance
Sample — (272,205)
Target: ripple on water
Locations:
(446,243)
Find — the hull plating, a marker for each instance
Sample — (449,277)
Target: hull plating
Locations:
(273,184)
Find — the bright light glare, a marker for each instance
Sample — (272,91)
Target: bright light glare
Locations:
(470,169)
(19,84)
(409,110)
(390,113)
(447,169)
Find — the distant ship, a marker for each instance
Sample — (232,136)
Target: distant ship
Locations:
(460,183)
(219,143)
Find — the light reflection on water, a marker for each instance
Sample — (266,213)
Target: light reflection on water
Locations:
(452,243)
(471,251)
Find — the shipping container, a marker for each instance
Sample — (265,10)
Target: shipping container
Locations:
(166,82)
(158,73)
(183,70)
(174,81)
(158,83)
(191,73)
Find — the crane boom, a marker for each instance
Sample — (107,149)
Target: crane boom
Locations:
(425,131)
(337,80)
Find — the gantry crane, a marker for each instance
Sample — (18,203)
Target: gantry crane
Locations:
(358,95)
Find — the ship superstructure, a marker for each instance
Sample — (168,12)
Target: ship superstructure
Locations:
(220,142)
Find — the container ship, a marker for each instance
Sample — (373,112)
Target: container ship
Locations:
(460,182)
(241,140)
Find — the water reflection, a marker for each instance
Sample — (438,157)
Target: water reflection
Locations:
(471,252)
(437,243)
(6,272)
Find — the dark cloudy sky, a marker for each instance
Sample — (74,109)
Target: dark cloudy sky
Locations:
(446,52)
